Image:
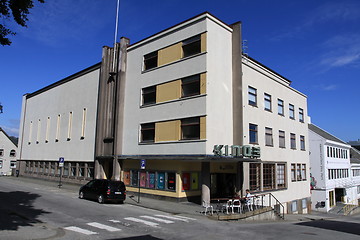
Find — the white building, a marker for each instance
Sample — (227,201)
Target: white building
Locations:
(334,178)
(8,151)
(206,120)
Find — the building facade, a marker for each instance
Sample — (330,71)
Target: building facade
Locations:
(184,114)
(8,154)
(334,177)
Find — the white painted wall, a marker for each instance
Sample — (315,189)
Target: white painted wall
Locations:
(72,96)
(7,145)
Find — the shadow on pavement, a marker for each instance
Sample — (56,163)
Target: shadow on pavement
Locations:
(16,210)
(346,227)
(144,237)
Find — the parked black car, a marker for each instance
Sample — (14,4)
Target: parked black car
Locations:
(103,190)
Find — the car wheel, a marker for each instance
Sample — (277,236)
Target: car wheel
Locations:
(81,195)
(100,199)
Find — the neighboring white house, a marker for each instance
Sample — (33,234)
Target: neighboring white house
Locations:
(332,178)
(8,151)
(355,174)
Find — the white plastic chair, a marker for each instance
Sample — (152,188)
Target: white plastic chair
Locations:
(207,205)
(228,205)
(248,203)
(236,204)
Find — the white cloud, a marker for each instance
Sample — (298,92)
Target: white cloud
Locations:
(11,131)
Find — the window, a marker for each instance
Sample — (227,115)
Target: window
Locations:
(281,139)
(12,153)
(292,141)
(73,169)
(298,172)
(83,124)
(191,46)
(302,142)
(280,175)
(148,132)
(90,170)
(69,126)
(149,95)
(252,96)
(58,128)
(280,107)
(301,115)
(66,169)
(12,164)
(254,176)
(190,128)
(81,169)
(291,111)
(293,172)
(47,130)
(151,60)
(267,102)
(171,181)
(38,132)
(1,163)
(269,137)
(30,132)
(268,176)
(1,152)
(190,86)
(253,133)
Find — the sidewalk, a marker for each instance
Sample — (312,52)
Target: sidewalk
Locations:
(187,208)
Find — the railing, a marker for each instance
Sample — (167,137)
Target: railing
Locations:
(269,200)
(349,207)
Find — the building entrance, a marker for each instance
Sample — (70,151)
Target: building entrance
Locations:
(222,185)
(340,194)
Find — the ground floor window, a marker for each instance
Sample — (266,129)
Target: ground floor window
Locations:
(255,176)
(90,170)
(81,169)
(298,172)
(151,179)
(1,163)
(190,181)
(72,169)
(267,176)
(12,164)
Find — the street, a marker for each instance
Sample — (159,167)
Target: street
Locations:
(31,210)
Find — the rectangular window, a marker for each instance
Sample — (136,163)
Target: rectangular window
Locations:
(149,95)
(57,137)
(190,128)
(301,115)
(171,181)
(298,172)
(81,169)
(52,168)
(134,178)
(292,141)
(66,169)
(303,172)
(302,142)
(280,175)
(73,169)
(267,102)
(83,124)
(190,86)
(151,60)
(30,132)
(253,133)
(69,126)
(280,107)
(269,137)
(1,163)
(38,132)
(293,172)
(291,111)
(254,176)
(148,132)
(12,164)
(252,96)
(47,130)
(268,176)
(90,170)
(191,46)
(281,139)
(1,152)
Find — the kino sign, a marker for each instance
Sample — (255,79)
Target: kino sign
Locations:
(237,151)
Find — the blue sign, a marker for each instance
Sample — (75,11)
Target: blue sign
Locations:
(142,163)
(61,162)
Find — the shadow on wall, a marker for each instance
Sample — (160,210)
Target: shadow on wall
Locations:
(16,210)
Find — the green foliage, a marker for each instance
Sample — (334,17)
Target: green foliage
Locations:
(17,10)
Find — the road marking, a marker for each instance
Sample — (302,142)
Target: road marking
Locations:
(188,218)
(102,226)
(80,230)
(184,219)
(152,224)
(114,221)
(157,219)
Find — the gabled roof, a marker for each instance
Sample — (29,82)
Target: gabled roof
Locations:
(324,134)
(354,155)
(2,130)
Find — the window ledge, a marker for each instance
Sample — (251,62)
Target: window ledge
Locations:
(180,60)
(174,100)
(170,142)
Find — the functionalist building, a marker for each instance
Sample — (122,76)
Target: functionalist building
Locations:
(181,114)
(8,150)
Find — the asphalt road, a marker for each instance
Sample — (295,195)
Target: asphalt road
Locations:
(42,211)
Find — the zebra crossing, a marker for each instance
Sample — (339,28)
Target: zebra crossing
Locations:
(154,221)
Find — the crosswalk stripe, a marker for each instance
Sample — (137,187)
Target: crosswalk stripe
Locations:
(80,230)
(173,218)
(152,224)
(157,219)
(188,218)
(102,226)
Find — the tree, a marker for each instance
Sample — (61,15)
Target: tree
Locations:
(18,9)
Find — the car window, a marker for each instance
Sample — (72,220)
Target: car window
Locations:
(116,185)
(90,184)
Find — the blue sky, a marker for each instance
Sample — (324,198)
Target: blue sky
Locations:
(315,44)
